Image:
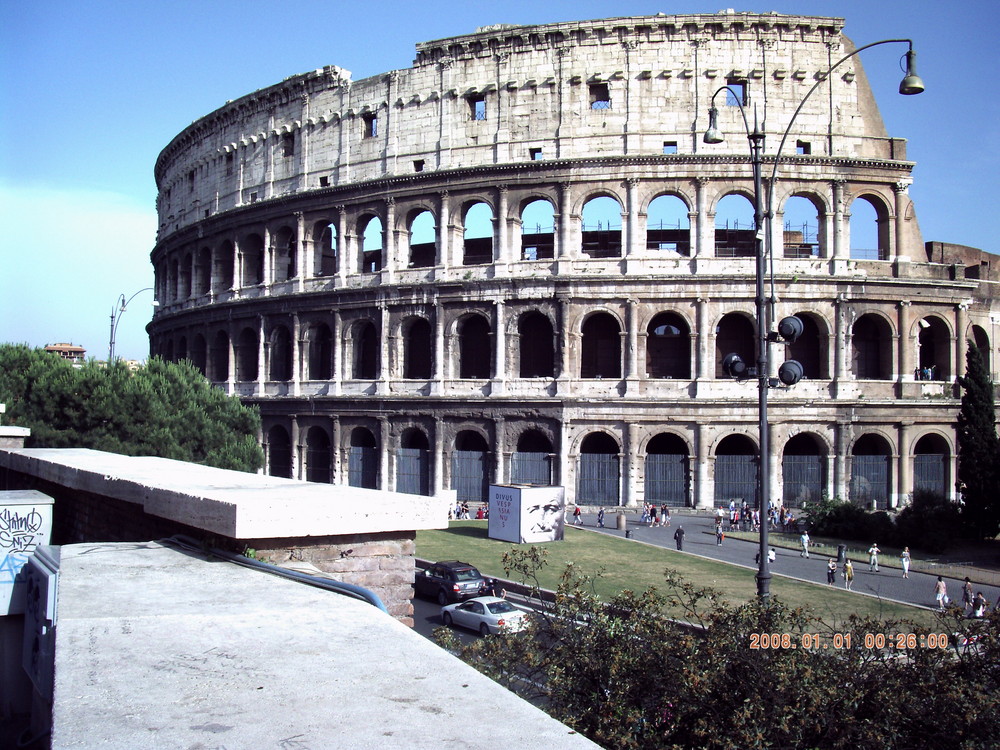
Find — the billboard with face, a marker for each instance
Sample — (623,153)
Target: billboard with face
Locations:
(526,514)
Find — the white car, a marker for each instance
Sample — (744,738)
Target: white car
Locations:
(486,614)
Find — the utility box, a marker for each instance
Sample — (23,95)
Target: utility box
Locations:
(25,523)
(527,513)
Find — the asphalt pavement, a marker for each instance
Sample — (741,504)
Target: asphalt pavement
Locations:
(699,540)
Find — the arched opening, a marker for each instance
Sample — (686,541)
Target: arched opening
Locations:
(536,349)
(531,463)
(319,352)
(934,345)
(326,257)
(668,347)
(285,249)
(869,229)
(318,456)
(363,459)
(668,228)
(417,349)
(219,370)
(372,244)
(469,467)
(930,465)
(811,349)
(667,471)
(168,350)
(803,471)
(475,358)
(735,228)
(735,334)
(365,352)
(601,347)
(598,471)
(477,247)
(871,338)
(182,349)
(199,353)
(252,259)
(423,245)
(538,231)
(247,356)
(800,235)
(203,272)
(736,462)
(280,354)
(870,472)
(184,277)
(982,341)
(413,471)
(601,228)
(279,452)
(223,262)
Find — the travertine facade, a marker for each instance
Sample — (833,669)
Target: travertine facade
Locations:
(505,264)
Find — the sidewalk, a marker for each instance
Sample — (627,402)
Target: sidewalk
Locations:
(699,539)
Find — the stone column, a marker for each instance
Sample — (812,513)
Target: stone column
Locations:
(297,355)
(263,350)
(907,346)
(632,218)
(346,262)
(296,448)
(268,251)
(503,253)
(704,244)
(437,484)
(499,385)
(961,326)
(901,247)
(304,264)
(630,475)
(444,231)
(702,340)
(337,474)
(842,343)
(564,249)
(841,250)
(703,493)
(632,343)
(389,259)
(385,479)
(441,370)
(337,346)
(842,475)
(500,475)
(388,369)
(905,470)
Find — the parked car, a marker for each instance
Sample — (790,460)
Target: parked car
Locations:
(450,581)
(486,614)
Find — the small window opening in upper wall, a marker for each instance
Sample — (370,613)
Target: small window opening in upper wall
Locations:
(600,97)
(803,147)
(670,147)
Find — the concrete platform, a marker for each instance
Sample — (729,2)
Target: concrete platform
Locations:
(159,647)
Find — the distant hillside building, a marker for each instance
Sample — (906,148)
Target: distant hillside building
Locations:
(72,352)
(508,264)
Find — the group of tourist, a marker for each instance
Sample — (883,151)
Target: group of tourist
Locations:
(653,516)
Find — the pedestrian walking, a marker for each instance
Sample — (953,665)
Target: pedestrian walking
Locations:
(600,518)
(679,537)
(941,593)
(904,559)
(577,516)
(654,521)
(848,575)
(831,571)
(665,515)
(719,536)
(873,557)
(967,594)
(804,541)
(979,605)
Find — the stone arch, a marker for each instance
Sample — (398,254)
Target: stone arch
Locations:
(667,470)
(600,346)
(601,226)
(668,224)
(363,459)
(934,349)
(319,465)
(668,347)
(280,354)
(802,218)
(247,355)
(598,470)
(326,260)
(475,354)
(735,333)
(803,470)
(864,208)
(736,463)
(535,345)
(478,233)
(538,229)
(279,452)
(422,238)
(418,348)
(532,460)
(871,347)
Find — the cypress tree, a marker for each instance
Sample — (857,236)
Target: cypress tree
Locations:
(978,449)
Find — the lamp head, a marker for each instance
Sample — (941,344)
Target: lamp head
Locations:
(712,135)
(911,83)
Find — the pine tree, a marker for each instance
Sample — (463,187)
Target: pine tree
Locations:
(978,449)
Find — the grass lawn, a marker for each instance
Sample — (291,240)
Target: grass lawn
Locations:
(636,566)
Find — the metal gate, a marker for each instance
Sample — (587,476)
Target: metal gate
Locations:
(735,479)
(667,479)
(929,473)
(802,480)
(413,474)
(362,467)
(531,468)
(870,481)
(598,480)
(468,475)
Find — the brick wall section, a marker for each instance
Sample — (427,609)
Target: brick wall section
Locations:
(383,563)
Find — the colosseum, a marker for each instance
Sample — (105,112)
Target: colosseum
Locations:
(518,261)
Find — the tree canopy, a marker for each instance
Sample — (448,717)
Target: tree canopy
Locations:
(163,409)
(978,449)
(626,676)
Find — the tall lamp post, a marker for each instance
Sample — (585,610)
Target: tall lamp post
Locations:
(116,315)
(789,328)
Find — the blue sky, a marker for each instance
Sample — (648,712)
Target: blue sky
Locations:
(91,91)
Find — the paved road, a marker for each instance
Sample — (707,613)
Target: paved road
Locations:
(699,539)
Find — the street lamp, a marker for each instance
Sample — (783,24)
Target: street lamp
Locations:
(116,315)
(789,328)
